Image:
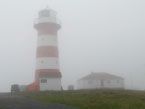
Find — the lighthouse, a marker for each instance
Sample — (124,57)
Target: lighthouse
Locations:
(47,73)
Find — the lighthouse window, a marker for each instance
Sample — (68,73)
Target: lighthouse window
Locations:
(45,13)
(43,80)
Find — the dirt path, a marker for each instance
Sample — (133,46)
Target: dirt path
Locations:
(9,101)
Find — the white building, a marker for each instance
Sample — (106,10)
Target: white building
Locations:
(100,81)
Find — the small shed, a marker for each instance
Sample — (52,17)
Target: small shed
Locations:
(70,87)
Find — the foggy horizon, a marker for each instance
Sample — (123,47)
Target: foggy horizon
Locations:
(96,36)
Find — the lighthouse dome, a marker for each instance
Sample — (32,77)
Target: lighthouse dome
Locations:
(47,13)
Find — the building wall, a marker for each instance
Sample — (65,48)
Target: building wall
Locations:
(34,86)
(115,83)
(85,84)
(51,84)
(47,40)
(47,63)
(96,84)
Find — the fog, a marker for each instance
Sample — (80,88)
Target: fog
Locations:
(96,36)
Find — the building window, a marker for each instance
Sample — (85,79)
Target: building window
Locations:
(43,80)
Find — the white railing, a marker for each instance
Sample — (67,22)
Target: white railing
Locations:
(46,20)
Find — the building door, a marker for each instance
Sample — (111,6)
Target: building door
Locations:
(102,83)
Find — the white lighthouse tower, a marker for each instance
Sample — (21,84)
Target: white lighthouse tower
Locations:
(47,63)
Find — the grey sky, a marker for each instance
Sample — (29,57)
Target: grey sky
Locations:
(96,35)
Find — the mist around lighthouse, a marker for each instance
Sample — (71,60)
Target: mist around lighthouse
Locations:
(94,38)
(90,51)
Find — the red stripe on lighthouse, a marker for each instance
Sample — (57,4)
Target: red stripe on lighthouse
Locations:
(47,73)
(47,70)
(47,51)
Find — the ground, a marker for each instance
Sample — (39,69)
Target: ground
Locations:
(93,99)
(83,99)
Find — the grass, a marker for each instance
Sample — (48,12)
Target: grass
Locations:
(93,99)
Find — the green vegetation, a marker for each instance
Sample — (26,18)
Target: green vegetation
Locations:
(95,99)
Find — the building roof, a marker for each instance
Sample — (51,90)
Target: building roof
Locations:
(100,76)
